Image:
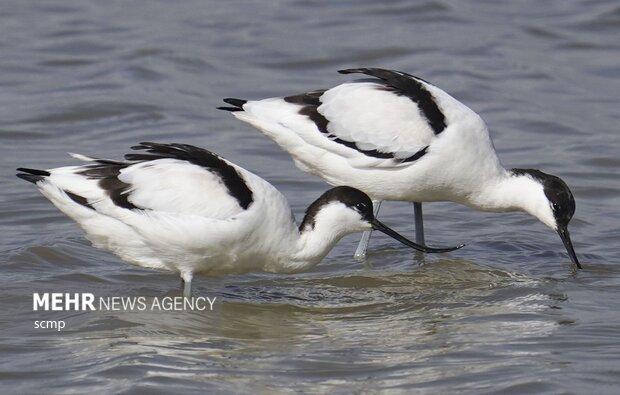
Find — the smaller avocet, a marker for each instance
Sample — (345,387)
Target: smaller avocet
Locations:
(184,209)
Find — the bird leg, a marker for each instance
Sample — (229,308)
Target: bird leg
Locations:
(186,280)
(360,252)
(419,223)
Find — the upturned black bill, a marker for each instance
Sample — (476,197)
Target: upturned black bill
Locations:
(377,225)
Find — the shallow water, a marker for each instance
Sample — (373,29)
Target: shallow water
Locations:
(505,314)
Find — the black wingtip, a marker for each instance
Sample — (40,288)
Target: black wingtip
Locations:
(36,172)
(349,71)
(235,102)
(230,109)
(30,177)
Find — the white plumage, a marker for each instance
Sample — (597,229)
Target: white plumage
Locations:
(181,208)
(398,137)
(376,119)
(184,209)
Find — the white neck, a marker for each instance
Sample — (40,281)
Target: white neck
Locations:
(510,192)
(318,238)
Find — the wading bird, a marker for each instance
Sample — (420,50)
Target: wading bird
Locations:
(398,137)
(184,209)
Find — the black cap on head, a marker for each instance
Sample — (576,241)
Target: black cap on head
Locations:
(357,200)
(558,193)
(562,204)
(349,196)
(561,199)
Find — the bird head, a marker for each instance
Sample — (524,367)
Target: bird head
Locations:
(555,207)
(343,210)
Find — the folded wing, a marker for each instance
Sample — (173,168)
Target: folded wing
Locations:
(388,120)
(166,178)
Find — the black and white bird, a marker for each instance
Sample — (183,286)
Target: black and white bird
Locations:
(184,209)
(398,137)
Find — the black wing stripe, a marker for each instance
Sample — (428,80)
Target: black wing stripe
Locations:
(311,101)
(107,173)
(410,86)
(417,155)
(79,199)
(118,191)
(233,181)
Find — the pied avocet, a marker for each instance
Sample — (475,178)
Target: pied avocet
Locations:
(184,209)
(398,137)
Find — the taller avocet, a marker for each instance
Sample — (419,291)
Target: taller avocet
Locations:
(398,137)
(185,209)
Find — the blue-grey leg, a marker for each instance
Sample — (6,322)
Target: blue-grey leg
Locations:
(186,279)
(360,253)
(419,223)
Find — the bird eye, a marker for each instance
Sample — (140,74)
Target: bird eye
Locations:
(360,206)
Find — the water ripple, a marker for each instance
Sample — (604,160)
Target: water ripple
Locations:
(503,315)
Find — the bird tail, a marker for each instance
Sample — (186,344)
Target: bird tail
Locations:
(32,175)
(236,103)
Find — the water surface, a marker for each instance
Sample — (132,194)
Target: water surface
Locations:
(504,315)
